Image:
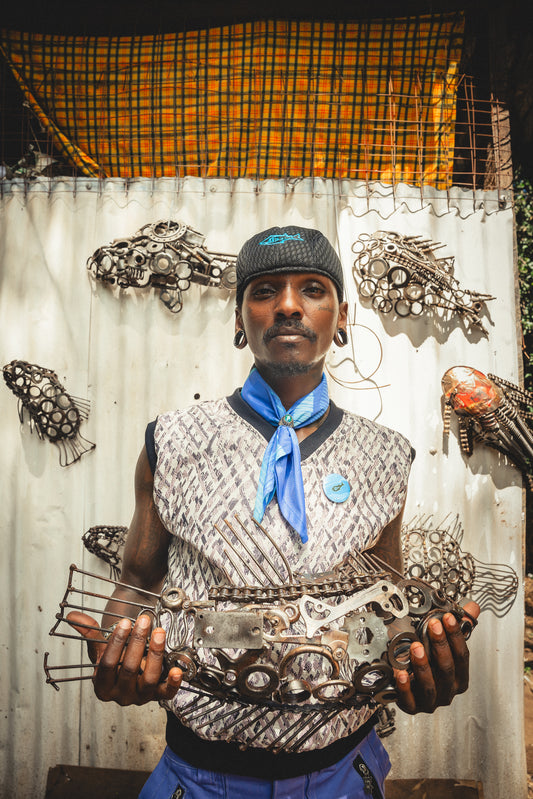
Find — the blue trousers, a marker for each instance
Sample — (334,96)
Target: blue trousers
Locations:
(359,775)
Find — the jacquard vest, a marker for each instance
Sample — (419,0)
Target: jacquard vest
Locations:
(208,460)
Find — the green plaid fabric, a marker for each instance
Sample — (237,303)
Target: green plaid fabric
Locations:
(371,100)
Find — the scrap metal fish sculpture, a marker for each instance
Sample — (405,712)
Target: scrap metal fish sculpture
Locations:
(434,553)
(401,274)
(491,410)
(309,645)
(53,412)
(107,542)
(166,255)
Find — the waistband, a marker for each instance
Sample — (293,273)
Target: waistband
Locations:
(253,762)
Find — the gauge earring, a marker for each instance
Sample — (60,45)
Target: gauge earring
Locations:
(341,337)
(239,340)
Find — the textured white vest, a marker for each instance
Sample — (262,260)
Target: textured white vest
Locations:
(208,462)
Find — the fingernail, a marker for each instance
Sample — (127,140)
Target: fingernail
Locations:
(436,626)
(124,624)
(143,622)
(403,678)
(451,621)
(417,651)
(158,637)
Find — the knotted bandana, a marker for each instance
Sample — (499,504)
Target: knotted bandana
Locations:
(281,469)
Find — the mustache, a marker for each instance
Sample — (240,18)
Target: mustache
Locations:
(293,324)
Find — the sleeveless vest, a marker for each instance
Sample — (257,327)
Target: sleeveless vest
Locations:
(208,462)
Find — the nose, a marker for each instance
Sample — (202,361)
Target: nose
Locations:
(288,302)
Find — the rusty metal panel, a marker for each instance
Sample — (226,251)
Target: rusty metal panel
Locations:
(132,358)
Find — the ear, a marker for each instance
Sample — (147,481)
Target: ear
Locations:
(343,314)
(239,325)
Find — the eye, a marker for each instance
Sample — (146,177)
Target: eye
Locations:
(263,290)
(315,289)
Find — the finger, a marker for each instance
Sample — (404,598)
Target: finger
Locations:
(153,666)
(90,629)
(106,674)
(472,611)
(472,608)
(442,660)
(406,700)
(459,651)
(169,688)
(424,688)
(133,655)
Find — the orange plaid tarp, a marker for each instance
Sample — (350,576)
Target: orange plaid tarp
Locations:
(370,100)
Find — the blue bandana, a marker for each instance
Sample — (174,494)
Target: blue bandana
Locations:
(281,469)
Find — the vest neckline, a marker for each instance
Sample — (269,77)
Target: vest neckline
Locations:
(308,445)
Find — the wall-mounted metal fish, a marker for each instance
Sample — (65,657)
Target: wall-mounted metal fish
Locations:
(493,411)
(53,412)
(401,275)
(166,255)
(107,542)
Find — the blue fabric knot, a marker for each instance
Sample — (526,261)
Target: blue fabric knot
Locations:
(281,468)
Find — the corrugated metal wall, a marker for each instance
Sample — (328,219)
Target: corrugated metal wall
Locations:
(132,358)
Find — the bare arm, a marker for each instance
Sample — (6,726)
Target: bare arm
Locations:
(388,547)
(125,672)
(144,562)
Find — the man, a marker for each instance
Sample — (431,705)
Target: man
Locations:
(267,452)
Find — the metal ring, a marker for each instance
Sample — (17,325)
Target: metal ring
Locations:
(164,231)
(386,695)
(182,659)
(173,598)
(380,668)
(399,645)
(378,267)
(367,287)
(295,691)
(228,278)
(261,691)
(414,589)
(347,690)
(402,308)
(306,649)
(398,277)
(416,571)
(382,304)
(210,677)
(413,291)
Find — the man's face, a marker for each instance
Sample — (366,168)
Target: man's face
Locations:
(290,320)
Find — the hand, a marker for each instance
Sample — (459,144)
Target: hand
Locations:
(124,673)
(437,680)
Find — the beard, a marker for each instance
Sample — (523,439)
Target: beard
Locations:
(290,368)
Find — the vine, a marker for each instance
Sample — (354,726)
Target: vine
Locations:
(523,196)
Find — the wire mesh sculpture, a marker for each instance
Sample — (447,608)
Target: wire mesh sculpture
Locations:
(53,412)
(491,410)
(106,542)
(313,645)
(401,275)
(433,553)
(166,255)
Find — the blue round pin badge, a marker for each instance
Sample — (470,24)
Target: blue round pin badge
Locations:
(336,487)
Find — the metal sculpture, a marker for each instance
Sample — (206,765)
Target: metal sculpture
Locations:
(106,543)
(401,275)
(54,413)
(434,553)
(491,410)
(358,621)
(166,255)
